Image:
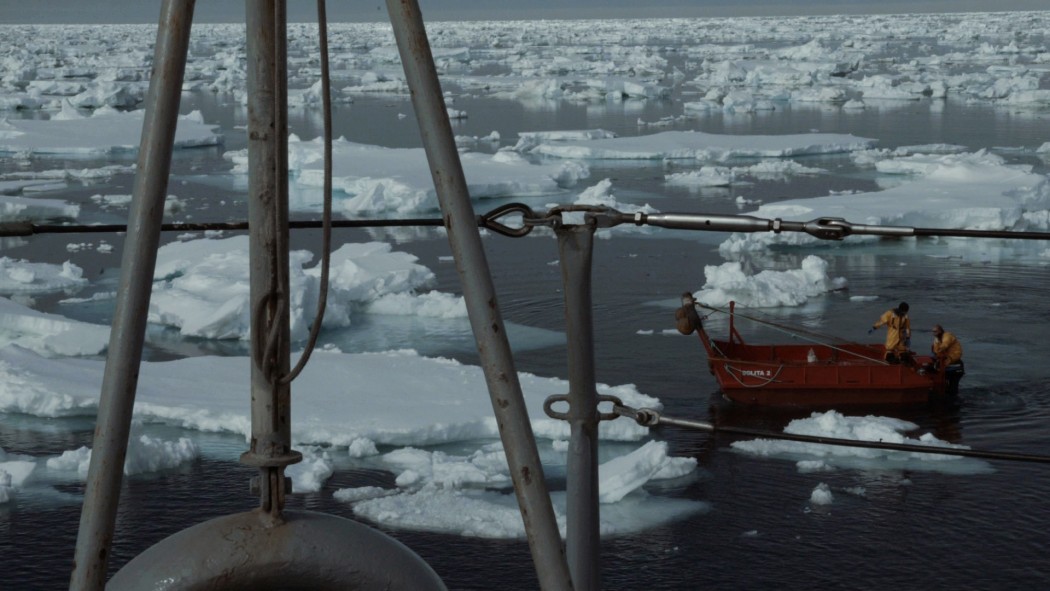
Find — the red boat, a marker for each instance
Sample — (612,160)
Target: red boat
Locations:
(814,374)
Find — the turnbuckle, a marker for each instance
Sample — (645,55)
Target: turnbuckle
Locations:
(599,216)
(828,228)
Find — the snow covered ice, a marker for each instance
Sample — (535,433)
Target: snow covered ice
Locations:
(54,111)
(425,402)
(105,131)
(814,457)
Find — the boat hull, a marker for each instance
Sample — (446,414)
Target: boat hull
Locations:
(818,375)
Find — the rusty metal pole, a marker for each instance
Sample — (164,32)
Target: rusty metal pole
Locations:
(575,249)
(138,261)
(270,447)
(508,403)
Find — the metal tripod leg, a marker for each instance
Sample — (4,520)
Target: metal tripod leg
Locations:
(268,252)
(110,445)
(575,248)
(508,403)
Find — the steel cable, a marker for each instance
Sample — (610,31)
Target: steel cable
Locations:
(648,417)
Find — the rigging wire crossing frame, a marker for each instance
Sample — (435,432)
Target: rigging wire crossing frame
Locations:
(825,228)
(648,417)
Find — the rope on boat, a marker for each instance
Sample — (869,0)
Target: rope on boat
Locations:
(648,417)
(794,332)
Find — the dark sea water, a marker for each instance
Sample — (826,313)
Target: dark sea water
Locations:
(911,529)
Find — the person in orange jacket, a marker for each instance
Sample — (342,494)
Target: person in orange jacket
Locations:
(898,333)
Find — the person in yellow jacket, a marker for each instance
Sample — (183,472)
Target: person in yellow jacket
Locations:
(898,333)
(946,348)
(948,353)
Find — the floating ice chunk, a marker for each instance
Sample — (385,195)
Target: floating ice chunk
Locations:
(613,88)
(109,94)
(622,475)
(743,102)
(833,424)
(13,474)
(100,173)
(1032,97)
(467,513)
(493,515)
(19,102)
(145,455)
(821,495)
(45,187)
(601,194)
(378,82)
(378,179)
(826,94)
(202,286)
(49,334)
(107,201)
(55,87)
(968,191)
(34,208)
(107,132)
(805,466)
(527,141)
(310,474)
(707,176)
(534,90)
(23,277)
(485,467)
(149,454)
(362,447)
(701,106)
(695,145)
(18,471)
(771,169)
(312,96)
(432,304)
(883,87)
(393,398)
(361,493)
(728,282)
(74,460)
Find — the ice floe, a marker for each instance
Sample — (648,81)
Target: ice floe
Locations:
(106,132)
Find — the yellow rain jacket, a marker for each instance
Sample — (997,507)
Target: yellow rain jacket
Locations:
(947,348)
(898,328)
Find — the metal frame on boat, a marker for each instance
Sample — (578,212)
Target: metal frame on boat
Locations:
(815,373)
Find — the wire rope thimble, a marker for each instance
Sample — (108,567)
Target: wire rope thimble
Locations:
(492,220)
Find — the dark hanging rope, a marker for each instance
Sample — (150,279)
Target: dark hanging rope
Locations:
(326,216)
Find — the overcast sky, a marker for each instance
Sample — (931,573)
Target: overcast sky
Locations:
(146,11)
